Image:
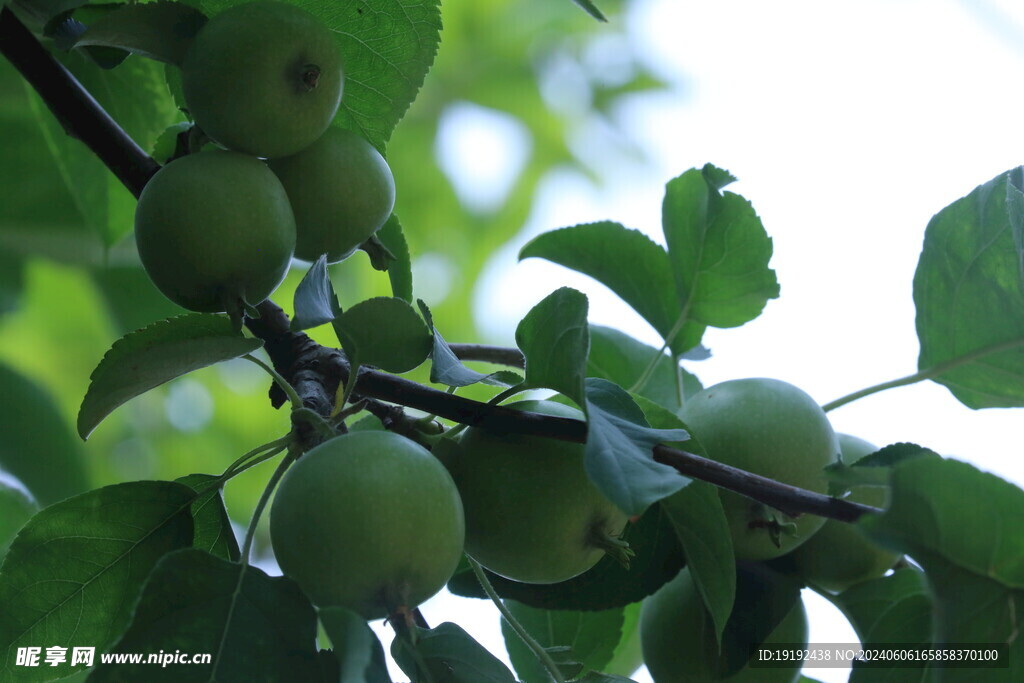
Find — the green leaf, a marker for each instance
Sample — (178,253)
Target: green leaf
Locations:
(591,9)
(72,575)
(166,145)
(447,369)
(969,295)
(962,526)
(387,47)
(134,94)
(213,532)
(873,469)
(315,301)
(618,455)
(356,646)
(385,332)
(621,359)
(599,677)
(131,297)
(147,358)
(16,507)
(627,657)
(891,609)
(256,627)
(157,30)
(658,557)
(630,264)
(718,249)
(590,637)
(12,281)
(38,447)
(399,270)
(451,656)
(555,341)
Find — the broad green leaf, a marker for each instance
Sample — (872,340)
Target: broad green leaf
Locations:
(157,30)
(969,295)
(873,469)
(590,637)
(591,9)
(621,359)
(357,648)
(213,532)
(315,301)
(387,47)
(166,145)
(451,655)
(627,657)
(38,447)
(718,250)
(399,270)
(256,627)
(658,557)
(72,575)
(699,520)
(41,11)
(135,95)
(12,281)
(962,526)
(630,264)
(147,358)
(618,455)
(555,341)
(16,507)
(385,332)
(446,368)
(891,609)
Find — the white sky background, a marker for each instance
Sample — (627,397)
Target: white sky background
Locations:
(848,124)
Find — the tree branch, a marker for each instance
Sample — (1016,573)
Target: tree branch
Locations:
(316,371)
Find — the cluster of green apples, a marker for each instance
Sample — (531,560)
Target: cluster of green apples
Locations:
(216,230)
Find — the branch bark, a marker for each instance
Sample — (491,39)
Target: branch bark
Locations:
(316,371)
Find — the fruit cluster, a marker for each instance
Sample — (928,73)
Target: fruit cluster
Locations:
(216,230)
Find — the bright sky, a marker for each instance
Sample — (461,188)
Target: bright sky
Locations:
(848,124)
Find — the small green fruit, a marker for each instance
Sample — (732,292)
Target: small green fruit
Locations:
(532,514)
(213,229)
(839,555)
(370,521)
(264,78)
(678,640)
(769,428)
(342,192)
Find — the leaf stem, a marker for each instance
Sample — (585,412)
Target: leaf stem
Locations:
(534,646)
(264,498)
(236,467)
(927,373)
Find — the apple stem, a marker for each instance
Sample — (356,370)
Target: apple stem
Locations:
(615,547)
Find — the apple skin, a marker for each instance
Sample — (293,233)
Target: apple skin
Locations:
(677,637)
(213,228)
(341,191)
(370,521)
(531,510)
(771,428)
(839,555)
(264,78)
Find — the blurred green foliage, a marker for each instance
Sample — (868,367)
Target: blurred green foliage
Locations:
(65,297)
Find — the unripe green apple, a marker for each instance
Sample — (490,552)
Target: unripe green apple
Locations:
(213,229)
(370,521)
(678,640)
(264,78)
(770,428)
(532,513)
(839,555)
(341,191)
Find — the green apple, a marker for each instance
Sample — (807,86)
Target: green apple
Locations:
(370,521)
(264,78)
(678,640)
(213,229)
(839,555)
(770,428)
(341,191)
(532,513)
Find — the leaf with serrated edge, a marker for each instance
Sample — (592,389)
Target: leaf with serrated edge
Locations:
(555,340)
(618,455)
(399,270)
(356,646)
(146,358)
(158,30)
(447,369)
(451,655)
(72,575)
(213,532)
(315,302)
(385,332)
